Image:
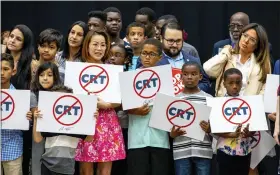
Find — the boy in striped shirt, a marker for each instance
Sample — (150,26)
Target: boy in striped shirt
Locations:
(186,151)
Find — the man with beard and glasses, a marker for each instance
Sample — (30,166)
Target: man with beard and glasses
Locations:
(189,49)
(172,40)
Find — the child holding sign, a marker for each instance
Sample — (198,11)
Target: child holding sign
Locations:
(148,148)
(187,151)
(107,144)
(11,140)
(234,149)
(121,55)
(45,78)
(64,144)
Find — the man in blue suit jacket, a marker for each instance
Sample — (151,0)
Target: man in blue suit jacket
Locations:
(204,84)
(172,40)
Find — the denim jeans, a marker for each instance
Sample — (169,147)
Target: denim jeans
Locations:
(201,165)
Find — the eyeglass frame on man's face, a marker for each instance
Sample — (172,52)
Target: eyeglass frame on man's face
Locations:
(251,40)
(178,42)
(145,54)
(232,26)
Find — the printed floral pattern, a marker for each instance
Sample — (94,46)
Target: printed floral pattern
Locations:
(107,144)
(236,146)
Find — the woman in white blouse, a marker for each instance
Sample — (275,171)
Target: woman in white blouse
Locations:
(250,56)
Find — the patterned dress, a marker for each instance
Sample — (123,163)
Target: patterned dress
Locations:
(235,146)
(107,144)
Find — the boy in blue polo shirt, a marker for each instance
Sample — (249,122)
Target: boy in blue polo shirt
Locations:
(11,140)
(148,148)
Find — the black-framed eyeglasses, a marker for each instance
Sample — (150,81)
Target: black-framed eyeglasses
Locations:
(238,26)
(151,54)
(172,41)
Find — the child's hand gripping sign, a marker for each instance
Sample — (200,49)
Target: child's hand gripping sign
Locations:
(229,112)
(141,86)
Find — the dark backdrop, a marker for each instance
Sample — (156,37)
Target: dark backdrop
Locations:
(205,22)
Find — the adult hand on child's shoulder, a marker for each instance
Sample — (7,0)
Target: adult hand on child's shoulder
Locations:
(175,132)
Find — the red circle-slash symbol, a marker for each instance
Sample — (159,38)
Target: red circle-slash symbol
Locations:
(58,118)
(243,103)
(187,106)
(146,85)
(93,79)
(10,98)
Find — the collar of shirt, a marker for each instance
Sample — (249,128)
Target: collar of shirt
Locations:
(178,58)
(226,95)
(245,69)
(11,86)
(247,63)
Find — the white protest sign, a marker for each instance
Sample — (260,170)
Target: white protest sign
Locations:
(140,87)
(228,112)
(14,106)
(261,144)
(168,111)
(99,79)
(66,113)
(270,93)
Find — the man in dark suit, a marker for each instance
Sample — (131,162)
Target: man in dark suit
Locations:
(237,22)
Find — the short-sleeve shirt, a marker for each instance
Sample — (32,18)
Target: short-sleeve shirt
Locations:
(140,135)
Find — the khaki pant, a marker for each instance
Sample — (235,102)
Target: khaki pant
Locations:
(13,167)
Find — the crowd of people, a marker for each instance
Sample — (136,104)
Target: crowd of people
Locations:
(123,143)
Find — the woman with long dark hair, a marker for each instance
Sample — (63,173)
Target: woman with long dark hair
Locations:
(20,46)
(73,43)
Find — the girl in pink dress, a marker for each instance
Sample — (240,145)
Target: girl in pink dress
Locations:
(107,144)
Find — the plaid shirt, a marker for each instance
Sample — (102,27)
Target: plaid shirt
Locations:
(11,142)
(61,63)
